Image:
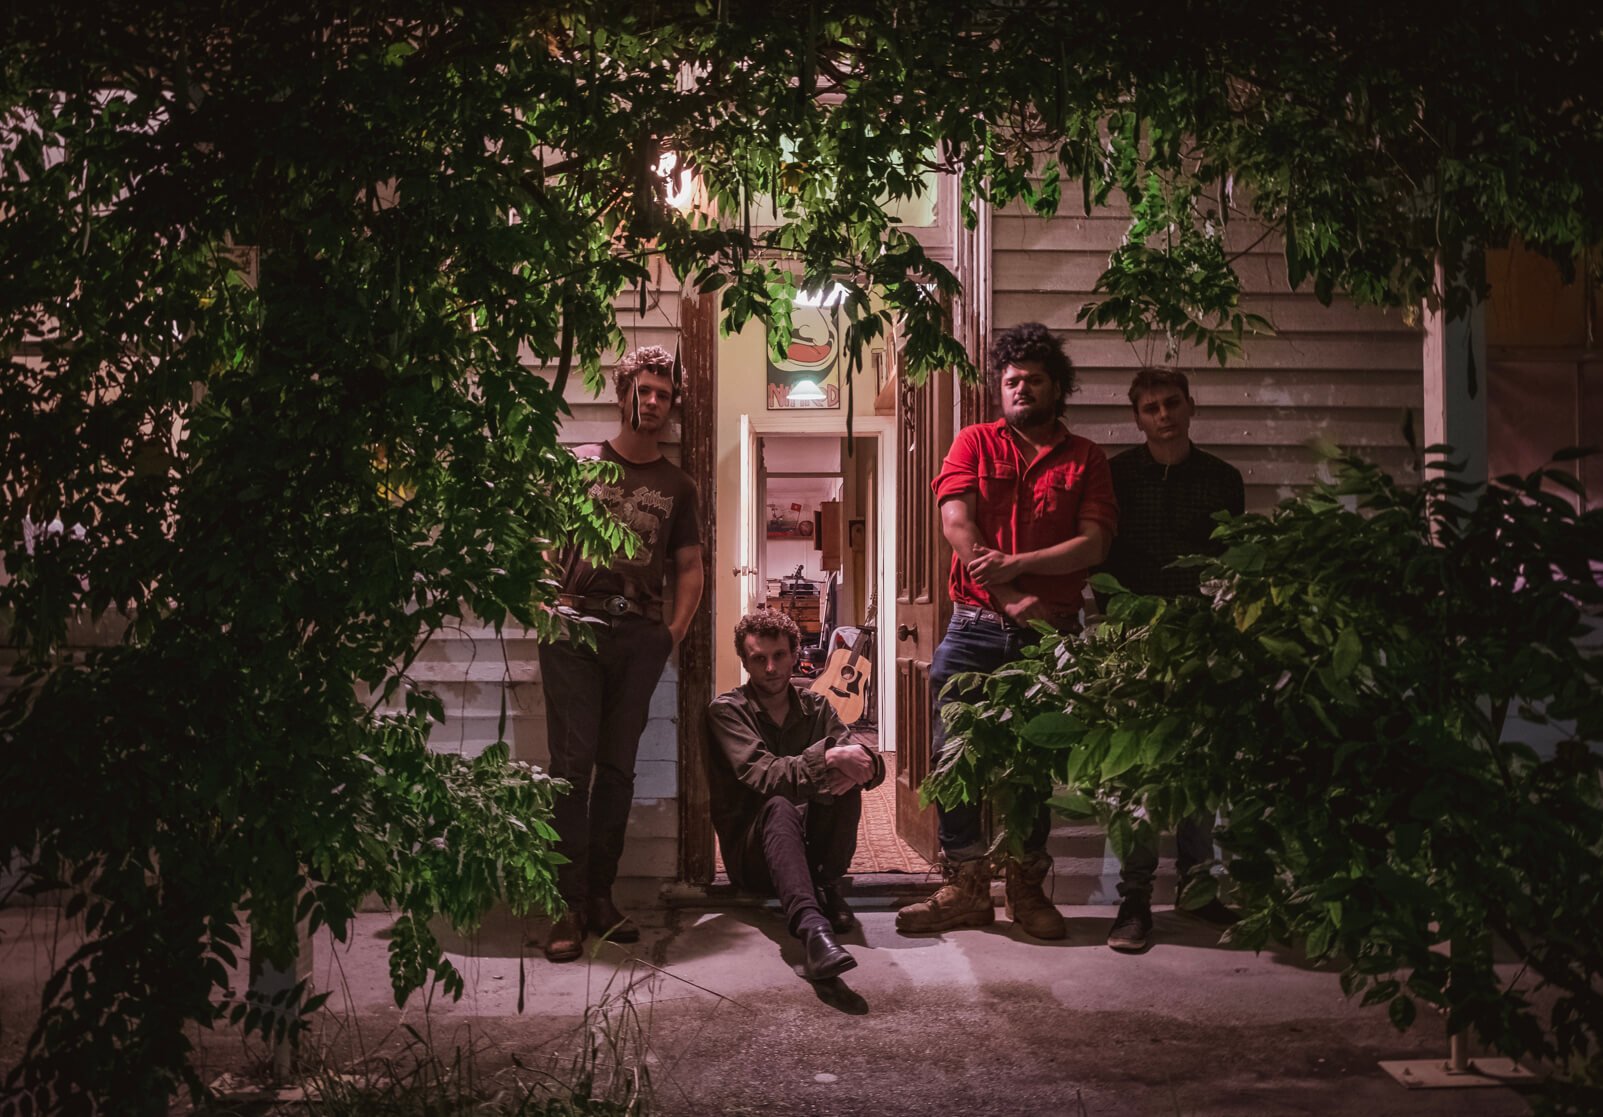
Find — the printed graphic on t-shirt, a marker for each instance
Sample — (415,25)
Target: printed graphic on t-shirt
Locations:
(643,511)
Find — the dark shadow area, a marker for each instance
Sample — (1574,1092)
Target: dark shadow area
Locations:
(841,997)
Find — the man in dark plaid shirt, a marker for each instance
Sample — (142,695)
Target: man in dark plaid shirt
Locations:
(1168,491)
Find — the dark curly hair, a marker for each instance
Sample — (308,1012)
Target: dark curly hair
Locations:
(766,622)
(1031,341)
(648,358)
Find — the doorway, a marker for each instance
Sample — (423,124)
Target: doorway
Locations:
(817,537)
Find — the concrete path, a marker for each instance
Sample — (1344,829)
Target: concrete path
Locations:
(710,1005)
(973,1022)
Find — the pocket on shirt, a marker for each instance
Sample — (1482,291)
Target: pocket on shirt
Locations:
(1061,489)
(999,483)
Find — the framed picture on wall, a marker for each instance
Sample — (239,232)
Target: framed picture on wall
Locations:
(809,376)
(789,521)
(856,533)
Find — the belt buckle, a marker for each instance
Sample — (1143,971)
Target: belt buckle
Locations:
(616,605)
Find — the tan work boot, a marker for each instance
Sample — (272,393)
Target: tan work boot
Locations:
(566,941)
(1027,904)
(963,901)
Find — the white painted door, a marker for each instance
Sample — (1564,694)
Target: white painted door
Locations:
(752,513)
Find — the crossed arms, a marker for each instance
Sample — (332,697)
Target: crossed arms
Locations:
(997,571)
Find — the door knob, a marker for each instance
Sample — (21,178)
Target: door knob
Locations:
(907,632)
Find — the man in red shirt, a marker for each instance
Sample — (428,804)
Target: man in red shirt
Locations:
(1028,508)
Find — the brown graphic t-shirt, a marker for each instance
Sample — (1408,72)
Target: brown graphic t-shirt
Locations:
(655,500)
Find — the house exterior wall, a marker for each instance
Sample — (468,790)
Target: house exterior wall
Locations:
(1345,372)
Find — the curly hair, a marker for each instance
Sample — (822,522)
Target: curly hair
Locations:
(648,358)
(1031,341)
(766,622)
(1156,380)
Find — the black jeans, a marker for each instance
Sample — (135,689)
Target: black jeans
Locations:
(791,847)
(1193,839)
(597,701)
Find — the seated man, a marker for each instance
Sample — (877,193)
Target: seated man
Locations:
(787,779)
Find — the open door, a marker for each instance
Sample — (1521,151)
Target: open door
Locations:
(751,516)
(924,418)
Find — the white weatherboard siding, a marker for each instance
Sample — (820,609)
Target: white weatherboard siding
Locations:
(1344,372)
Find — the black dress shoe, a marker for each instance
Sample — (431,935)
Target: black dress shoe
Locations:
(835,909)
(823,957)
(603,919)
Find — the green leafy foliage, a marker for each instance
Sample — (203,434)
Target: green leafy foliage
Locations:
(1340,697)
(271,280)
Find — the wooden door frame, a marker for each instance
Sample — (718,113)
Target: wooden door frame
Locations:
(698,350)
(920,601)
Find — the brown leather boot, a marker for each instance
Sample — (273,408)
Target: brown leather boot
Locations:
(1027,904)
(566,941)
(963,901)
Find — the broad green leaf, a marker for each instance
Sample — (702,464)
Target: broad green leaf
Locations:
(1072,804)
(1247,614)
(1053,730)
(1123,751)
(1345,655)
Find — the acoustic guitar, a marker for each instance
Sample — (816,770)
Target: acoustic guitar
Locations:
(844,680)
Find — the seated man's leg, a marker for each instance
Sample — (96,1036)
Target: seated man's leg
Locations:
(773,858)
(831,844)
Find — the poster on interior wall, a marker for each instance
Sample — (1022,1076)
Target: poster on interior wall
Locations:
(789,520)
(810,374)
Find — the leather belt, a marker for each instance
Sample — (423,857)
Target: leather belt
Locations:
(984,616)
(1004,622)
(609,605)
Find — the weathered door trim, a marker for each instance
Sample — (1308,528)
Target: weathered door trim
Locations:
(698,347)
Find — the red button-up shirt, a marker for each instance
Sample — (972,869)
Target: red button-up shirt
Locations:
(1026,505)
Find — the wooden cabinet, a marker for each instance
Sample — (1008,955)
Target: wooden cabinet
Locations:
(803,609)
(830,534)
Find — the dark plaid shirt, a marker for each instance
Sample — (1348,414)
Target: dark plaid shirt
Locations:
(1166,511)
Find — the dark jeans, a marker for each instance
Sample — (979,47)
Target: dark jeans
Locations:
(1193,840)
(790,847)
(596,703)
(973,645)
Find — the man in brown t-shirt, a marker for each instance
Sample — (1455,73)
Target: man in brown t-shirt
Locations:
(597,698)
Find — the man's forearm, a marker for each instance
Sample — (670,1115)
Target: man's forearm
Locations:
(1079,553)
